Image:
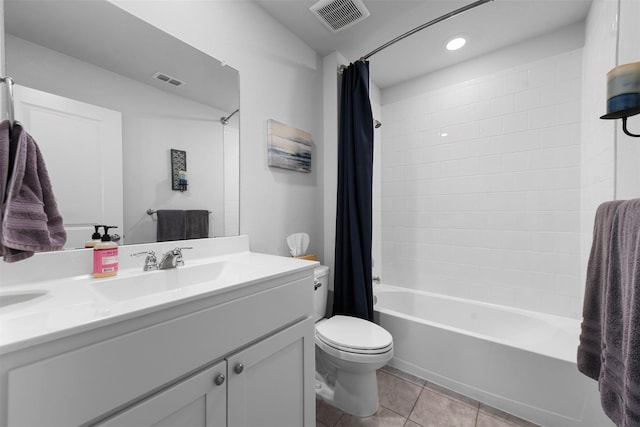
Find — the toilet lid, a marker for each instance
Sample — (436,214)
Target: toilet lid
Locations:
(353,334)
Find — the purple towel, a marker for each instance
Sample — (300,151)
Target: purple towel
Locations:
(30,218)
(589,349)
(620,371)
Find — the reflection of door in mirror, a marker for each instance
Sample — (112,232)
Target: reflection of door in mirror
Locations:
(82,147)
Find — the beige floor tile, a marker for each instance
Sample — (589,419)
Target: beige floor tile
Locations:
(488,415)
(405,376)
(319,424)
(410,423)
(437,410)
(383,418)
(397,394)
(327,414)
(452,394)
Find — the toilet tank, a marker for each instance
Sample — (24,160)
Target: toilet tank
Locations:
(321,290)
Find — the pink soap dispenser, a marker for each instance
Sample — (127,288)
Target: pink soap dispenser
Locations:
(105,255)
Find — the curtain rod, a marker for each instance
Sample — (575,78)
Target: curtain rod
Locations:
(423,26)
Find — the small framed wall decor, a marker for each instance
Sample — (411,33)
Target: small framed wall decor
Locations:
(288,147)
(178,170)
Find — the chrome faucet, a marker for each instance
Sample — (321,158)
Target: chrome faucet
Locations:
(150,262)
(172,259)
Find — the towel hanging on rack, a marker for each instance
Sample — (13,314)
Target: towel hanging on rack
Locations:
(590,347)
(619,381)
(197,224)
(181,224)
(31,221)
(172,225)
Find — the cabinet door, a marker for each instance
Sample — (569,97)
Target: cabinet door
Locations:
(271,384)
(200,400)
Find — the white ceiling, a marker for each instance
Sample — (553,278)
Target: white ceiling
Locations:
(489,27)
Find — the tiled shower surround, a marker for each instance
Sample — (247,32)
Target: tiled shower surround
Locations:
(481,188)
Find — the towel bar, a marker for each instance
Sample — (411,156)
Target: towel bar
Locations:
(151,212)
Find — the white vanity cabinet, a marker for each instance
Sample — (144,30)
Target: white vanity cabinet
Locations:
(242,358)
(259,386)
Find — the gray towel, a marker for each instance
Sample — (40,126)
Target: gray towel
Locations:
(589,349)
(30,218)
(171,225)
(620,371)
(197,224)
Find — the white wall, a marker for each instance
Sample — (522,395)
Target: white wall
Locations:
(281,79)
(491,211)
(598,155)
(153,123)
(628,148)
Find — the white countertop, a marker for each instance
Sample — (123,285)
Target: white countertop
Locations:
(78,303)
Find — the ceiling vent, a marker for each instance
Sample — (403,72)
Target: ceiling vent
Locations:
(168,79)
(337,15)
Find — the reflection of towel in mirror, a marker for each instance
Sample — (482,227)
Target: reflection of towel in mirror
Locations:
(197,224)
(171,225)
(590,338)
(30,218)
(620,371)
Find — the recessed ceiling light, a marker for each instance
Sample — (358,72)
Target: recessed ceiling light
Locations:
(456,43)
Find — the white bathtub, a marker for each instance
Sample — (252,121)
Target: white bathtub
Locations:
(519,361)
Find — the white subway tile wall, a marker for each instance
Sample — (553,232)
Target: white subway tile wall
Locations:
(481,188)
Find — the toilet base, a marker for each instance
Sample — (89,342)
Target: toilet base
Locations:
(354,394)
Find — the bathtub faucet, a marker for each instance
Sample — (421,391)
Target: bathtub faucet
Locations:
(376,279)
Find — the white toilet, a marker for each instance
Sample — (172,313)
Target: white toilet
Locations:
(349,350)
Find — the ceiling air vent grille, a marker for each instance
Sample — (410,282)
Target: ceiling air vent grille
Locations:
(337,15)
(168,79)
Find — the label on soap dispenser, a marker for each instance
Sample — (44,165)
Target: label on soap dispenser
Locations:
(105,262)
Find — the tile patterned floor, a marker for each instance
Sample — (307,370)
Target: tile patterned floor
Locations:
(407,401)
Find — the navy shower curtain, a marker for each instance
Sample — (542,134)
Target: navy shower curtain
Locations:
(352,286)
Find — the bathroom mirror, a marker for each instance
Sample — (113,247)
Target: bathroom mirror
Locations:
(169,95)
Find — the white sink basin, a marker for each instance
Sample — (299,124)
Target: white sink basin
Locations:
(11,298)
(121,288)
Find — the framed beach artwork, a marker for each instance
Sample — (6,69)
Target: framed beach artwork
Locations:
(288,147)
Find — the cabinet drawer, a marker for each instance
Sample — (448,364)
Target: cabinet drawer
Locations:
(81,385)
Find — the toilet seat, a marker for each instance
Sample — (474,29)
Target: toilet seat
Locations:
(353,335)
